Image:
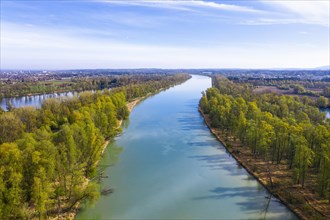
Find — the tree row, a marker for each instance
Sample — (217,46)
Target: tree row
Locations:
(278,128)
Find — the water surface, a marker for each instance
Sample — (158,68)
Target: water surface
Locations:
(33,100)
(327,111)
(169,166)
(37,100)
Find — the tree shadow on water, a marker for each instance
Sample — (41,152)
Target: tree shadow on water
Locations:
(224,192)
(252,200)
(199,143)
(221,162)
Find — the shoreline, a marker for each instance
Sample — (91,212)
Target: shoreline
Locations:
(130,105)
(244,160)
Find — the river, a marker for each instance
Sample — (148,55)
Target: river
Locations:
(168,165)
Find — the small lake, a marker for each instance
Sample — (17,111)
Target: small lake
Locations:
(33,100)
(168,165)
(36,100)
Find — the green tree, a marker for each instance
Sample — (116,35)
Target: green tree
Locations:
(323,180)
(29,118)
(322,102)
(11,128)
(40,192)
(303,159)
(11,172)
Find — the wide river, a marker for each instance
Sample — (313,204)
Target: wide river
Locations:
(167,165)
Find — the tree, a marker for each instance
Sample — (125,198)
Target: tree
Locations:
(266,135)
(298,89)
(303,159)
(40,192)
(241,126)
(326,91)
(29,117)
(11,172)
(11,127)
(323,180)
(204,104)
(322,102)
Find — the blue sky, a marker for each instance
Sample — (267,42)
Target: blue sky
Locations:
(164,34)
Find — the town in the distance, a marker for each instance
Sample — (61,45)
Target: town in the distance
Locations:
(314,83)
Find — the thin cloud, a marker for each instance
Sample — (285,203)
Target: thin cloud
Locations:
(272,21)
(54,49)
(186,5)
(227,7)
(305,12)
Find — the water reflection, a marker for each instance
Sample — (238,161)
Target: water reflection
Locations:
(35,100)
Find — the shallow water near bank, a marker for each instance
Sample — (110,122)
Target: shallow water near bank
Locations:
(168,165)
(327,112)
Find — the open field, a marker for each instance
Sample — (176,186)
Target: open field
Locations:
(271,89)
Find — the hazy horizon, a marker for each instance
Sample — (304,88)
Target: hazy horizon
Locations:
(323,68)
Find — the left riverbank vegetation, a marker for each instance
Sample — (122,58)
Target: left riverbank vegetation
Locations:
(283,140)
(48,155)
(65,82)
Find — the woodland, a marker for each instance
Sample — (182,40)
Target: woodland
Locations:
(49,156)
(283,130)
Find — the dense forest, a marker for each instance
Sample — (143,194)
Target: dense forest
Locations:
(31,85)
(49,155)
(308,87)
(280,129)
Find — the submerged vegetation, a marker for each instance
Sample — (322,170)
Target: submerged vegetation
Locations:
(277,130)
(48,155)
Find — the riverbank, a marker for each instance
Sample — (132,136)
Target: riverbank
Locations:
(276,178)
(130,106)
(71,215)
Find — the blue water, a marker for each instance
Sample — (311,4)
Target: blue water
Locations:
(327,111)
(37,100)
(33,100)
(167,165)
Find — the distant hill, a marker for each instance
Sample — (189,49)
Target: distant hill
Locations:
(322,68)
(297,69)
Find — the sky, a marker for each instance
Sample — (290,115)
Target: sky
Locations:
(99,34)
